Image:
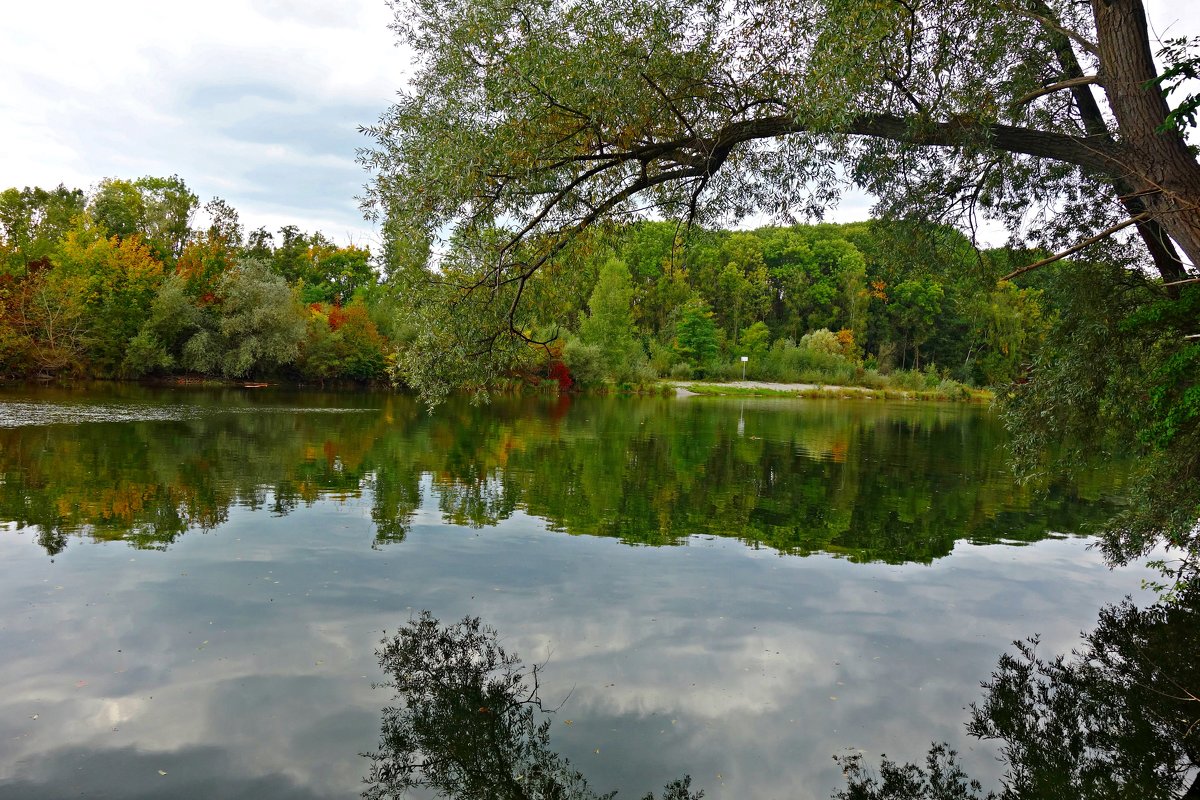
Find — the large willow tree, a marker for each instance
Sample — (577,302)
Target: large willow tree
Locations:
(546,116)
(527,121)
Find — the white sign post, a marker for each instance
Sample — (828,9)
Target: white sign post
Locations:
(744,360)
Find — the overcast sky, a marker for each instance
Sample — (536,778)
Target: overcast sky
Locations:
(255,101)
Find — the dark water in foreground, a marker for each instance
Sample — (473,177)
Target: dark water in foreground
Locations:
(193,583)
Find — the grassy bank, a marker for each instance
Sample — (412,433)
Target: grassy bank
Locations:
(957,393)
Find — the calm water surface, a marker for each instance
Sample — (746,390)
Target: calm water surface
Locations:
(194,582)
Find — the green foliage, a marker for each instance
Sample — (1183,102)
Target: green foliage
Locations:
(1182,65)
(47,324)
(696,335)
(118,207)
(823,341)
(588,363)
(941,111)
(118,279)
(454,328)
(342,343)
(755,341)
(1010,329)
(260,325)
(117,284)
(146,354)
(788,362)
(735,283)
(157,209)
(1114,374)
(915,306)
(33,221)
(609,326)
(173,320)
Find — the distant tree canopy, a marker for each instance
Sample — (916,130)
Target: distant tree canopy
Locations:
(117,283)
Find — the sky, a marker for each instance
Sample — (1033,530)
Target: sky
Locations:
(254,101)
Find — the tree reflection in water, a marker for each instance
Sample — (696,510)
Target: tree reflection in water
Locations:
(1118,718)
(470,724)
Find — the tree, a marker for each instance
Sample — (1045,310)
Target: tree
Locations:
(342,343)
(735,283)
(1116,373)
(158,209)
(696,335)
(550,116)
(117,279)
(33,222)
(755,340)
(173,319)
(915,306)
(258,325)
(1009,328)
(553,115)
(169,206)
(610,324)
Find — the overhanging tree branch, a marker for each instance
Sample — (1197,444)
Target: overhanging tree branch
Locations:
(1084,80)
(1104,234)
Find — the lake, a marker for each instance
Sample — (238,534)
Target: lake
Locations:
(195,581)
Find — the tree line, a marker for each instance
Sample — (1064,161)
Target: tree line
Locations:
(846,304)
(117,283)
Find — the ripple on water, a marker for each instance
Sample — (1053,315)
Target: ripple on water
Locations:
(21,414)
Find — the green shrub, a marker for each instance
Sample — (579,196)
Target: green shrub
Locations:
(586,362)
(681,371)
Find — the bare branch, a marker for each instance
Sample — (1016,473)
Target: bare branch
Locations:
(1104,234)
(1083,80)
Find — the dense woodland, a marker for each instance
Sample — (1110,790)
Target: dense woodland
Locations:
(119,283)
(116,283)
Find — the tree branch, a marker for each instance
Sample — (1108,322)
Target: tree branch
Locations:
(1083,80)
(1104,234)
(1054,25)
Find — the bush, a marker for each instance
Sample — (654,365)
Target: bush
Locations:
(586,362)
(663,359)
(681,371)
(342,343)
(908,380)
(952,390)
(789,363)
(822,341)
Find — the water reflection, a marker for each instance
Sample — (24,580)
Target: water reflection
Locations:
(240,662)
(867,481)
(471,723)
(1115,718)
(1118,717)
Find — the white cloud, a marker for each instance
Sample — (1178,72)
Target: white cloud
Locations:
(256,101)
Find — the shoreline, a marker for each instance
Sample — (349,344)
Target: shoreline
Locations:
(822,391)
(676,388)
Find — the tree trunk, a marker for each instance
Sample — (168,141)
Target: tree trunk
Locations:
(1160,170)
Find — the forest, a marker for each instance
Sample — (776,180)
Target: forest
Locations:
(120,283)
